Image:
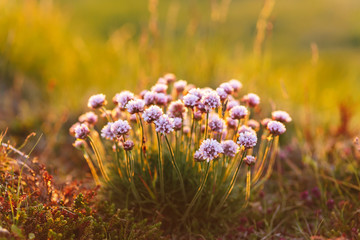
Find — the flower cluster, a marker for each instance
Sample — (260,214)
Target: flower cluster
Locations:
(178,122)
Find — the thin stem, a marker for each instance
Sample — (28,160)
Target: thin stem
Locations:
(232,183)
(176,167)
(260,170)
(160,166)
(206,124)
(99,160)
(131,175)
(190,138)
(198,192)
(92,168)
(248,186)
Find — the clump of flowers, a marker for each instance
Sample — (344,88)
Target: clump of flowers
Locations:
(175,145)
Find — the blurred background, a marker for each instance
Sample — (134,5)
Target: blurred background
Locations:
(299,56)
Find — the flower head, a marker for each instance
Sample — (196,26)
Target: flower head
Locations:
(281,116)
(89,117)
(222,94)
(128,145)
(177,123)
(236,84)
(190,100)
(276,128)
(161,98)
(106,132)
(247,139)
(216,124)
(238,112)
(79,144)
(211,100)
(249,160)
(231,123)
(135,106)
(164,124)
(97,101)
(152,113)
(230,148)
(254,124)
(149,98)
(120,128)
(180,86)
(265,122)
(199,156)
(121,99)
(170,77)
(244,128)
(159,88)
(210,149)
(252,99)
(232,104)
(227,88)
(198,115)
(81,131)
(176,109)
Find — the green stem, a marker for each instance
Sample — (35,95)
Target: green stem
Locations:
(198,192)
(131,175)
(190,138)
(176,167)
(160,166)
(232,183)
(206,124)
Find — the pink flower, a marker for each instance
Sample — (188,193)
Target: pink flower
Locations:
(180,86)
(254,124)
(231,123)
(149,98)
(230,148)
(135,106)
(81,131)
(252,99)
(170,77)
(89,117)
(164,124)
(232,104)
(210,149)
(198,156)
(227,88)
(106,132)
(238,112)
(159,88)
(265,122)
(222,94)
(177,123)
(128,145)
(211,100)
(152,113)
(120,128)
(97,101)
(198,115)
(236,85)
(161,98)
(216,124)
(247,139)
(121,99)
(281,116)
(249,160)
(176,109)
(276,128)
(190,100)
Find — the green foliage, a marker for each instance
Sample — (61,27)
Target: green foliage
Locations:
(45,211)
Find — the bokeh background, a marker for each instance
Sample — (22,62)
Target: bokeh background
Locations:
(299,56)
